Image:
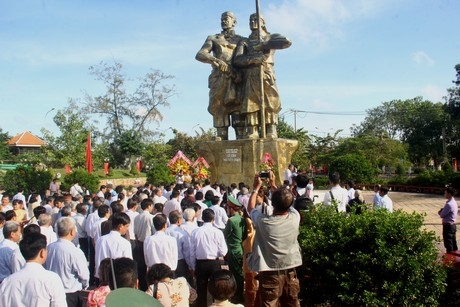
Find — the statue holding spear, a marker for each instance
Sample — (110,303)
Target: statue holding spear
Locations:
(260,102)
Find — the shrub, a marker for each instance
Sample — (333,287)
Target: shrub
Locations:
(159,174)
(321,182)
(372,259)
(353,167)
(29,177)
(85,179)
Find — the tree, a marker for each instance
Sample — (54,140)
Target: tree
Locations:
(125,111)
(452,108)
(299,157)
(28,177)
(5,153)
(69,147)
(320,148)
(416,122)
(378,150)
(187,144)
(353,167)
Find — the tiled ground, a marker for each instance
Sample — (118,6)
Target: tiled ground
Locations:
(428,204)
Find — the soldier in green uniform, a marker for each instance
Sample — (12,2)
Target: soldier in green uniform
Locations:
(235,233)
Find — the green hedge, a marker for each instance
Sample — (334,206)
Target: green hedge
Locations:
(372,259)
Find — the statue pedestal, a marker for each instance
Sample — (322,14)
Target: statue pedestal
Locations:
(239,160)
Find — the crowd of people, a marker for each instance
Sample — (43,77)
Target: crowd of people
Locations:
(181,240)
(186,245)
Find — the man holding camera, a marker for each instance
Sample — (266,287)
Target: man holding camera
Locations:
(276,251)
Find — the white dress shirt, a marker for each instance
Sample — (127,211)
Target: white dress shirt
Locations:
(96,231)
(161,248)
(111,245)
(7,248)
(170,206)
(143,226)
(203,207)
(33,286)
(91,219)
(159,199)
(221,217)
(189,227)
(386,203)
(69,263)
(49,233)
(340,196)
(208,242)
(80,223)
(132,215)
(183,242)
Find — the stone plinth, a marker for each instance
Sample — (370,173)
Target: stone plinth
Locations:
(238,160)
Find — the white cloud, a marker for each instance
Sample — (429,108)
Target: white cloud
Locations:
(319,22)
(421,58)
(433,93)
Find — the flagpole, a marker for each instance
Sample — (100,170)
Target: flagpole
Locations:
(262,93)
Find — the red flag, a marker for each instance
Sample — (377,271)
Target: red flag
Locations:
(89,160)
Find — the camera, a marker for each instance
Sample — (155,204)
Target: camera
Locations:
(264,175)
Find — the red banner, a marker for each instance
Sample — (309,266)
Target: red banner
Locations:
(106,168)
(89,160)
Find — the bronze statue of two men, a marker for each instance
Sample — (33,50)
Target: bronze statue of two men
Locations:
(239,66)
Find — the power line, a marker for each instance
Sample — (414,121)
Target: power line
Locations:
(327,113)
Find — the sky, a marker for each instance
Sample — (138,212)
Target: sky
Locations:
(346,56)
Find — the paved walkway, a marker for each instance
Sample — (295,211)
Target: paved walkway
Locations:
(428,204)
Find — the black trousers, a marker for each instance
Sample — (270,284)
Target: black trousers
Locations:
(449,237)
(84,246)
(74,299)
(92,264)
(141,267)
(204,270)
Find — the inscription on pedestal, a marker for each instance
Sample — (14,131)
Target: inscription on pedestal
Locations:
(231,160)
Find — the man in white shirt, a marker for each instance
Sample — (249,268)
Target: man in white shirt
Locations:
(33,285)
(160,247)
(91,219)
(288,173)
(207,187)
(44,220)
(113,245)
(173,203)
(76,190)
(132,213)
(6,204)
(190,224)
(351,189)
(68,261)
(207,249)
(183,244)
(158,197)
(220,217)
(104,213)
(385,201)
(243,198)
(143,228)
(12,234)
(101,192)
(337,195)
(199,200)
(20,195)
(80,221)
